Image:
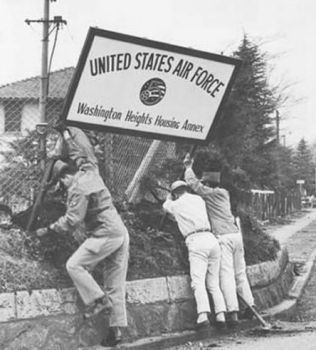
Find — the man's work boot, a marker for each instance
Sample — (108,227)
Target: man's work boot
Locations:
(113,338)
(220,322)
(101,304)
(202,321)
(232,319)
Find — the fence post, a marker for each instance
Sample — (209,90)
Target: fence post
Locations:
(108,163)
(133,188)
(44,83)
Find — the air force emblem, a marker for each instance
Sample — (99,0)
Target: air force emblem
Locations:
(152,91)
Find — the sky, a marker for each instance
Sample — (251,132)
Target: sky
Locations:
(285,30)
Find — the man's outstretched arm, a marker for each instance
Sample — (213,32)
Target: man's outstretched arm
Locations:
(191,179)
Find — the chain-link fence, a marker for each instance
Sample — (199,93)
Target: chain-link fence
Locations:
(123,160)
(19,114)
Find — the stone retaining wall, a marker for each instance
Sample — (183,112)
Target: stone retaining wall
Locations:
(51,319)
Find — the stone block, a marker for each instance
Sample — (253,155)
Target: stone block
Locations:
(148,320)
(69,300)
(182,315)
(263,274)
(179,288)
(7,307)
(146,291)
(275,292)
(38,303)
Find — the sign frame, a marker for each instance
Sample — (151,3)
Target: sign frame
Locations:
(93,32)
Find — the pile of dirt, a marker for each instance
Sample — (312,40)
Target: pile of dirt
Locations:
(156,247)
(19,270)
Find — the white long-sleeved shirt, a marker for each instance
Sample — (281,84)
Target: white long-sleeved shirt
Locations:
(189,211)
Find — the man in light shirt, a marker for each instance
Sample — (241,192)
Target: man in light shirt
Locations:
(233,276)
(189,210)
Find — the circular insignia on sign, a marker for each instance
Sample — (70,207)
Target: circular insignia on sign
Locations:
(152,91)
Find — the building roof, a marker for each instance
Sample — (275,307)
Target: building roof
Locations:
(30,88)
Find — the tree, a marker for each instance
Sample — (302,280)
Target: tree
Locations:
(246,126)
(304,165)
(280,173)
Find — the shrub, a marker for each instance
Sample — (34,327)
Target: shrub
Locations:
(259,246)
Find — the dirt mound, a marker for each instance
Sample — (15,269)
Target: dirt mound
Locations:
(154,250)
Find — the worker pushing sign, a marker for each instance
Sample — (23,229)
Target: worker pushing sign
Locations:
(125,84)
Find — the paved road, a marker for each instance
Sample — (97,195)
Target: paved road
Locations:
(292,336)
(295,329)
(305,310)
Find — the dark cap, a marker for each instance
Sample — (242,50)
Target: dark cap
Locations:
(177,184)
(58,168)
(59,125)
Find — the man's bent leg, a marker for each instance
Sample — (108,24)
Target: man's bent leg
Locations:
(85,258)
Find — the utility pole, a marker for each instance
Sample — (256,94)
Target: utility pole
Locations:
(278,127)
(44,75)
(41,128)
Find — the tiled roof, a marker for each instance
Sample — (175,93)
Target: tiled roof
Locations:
(30,88)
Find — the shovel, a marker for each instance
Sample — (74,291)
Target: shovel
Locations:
(265,325)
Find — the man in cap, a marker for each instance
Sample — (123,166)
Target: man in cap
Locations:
(89,201)
(233,276)
(189,210)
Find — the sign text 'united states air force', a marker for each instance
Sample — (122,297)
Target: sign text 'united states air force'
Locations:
(153,61)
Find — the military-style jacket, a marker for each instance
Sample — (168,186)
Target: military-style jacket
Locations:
(75,145)
(90,201)
(217,204)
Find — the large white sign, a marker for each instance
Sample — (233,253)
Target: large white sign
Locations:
(142,87)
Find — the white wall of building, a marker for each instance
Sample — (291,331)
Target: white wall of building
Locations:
(30,117)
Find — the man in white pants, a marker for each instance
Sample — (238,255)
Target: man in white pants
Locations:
(233,276)
(89,201)
(204,252)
